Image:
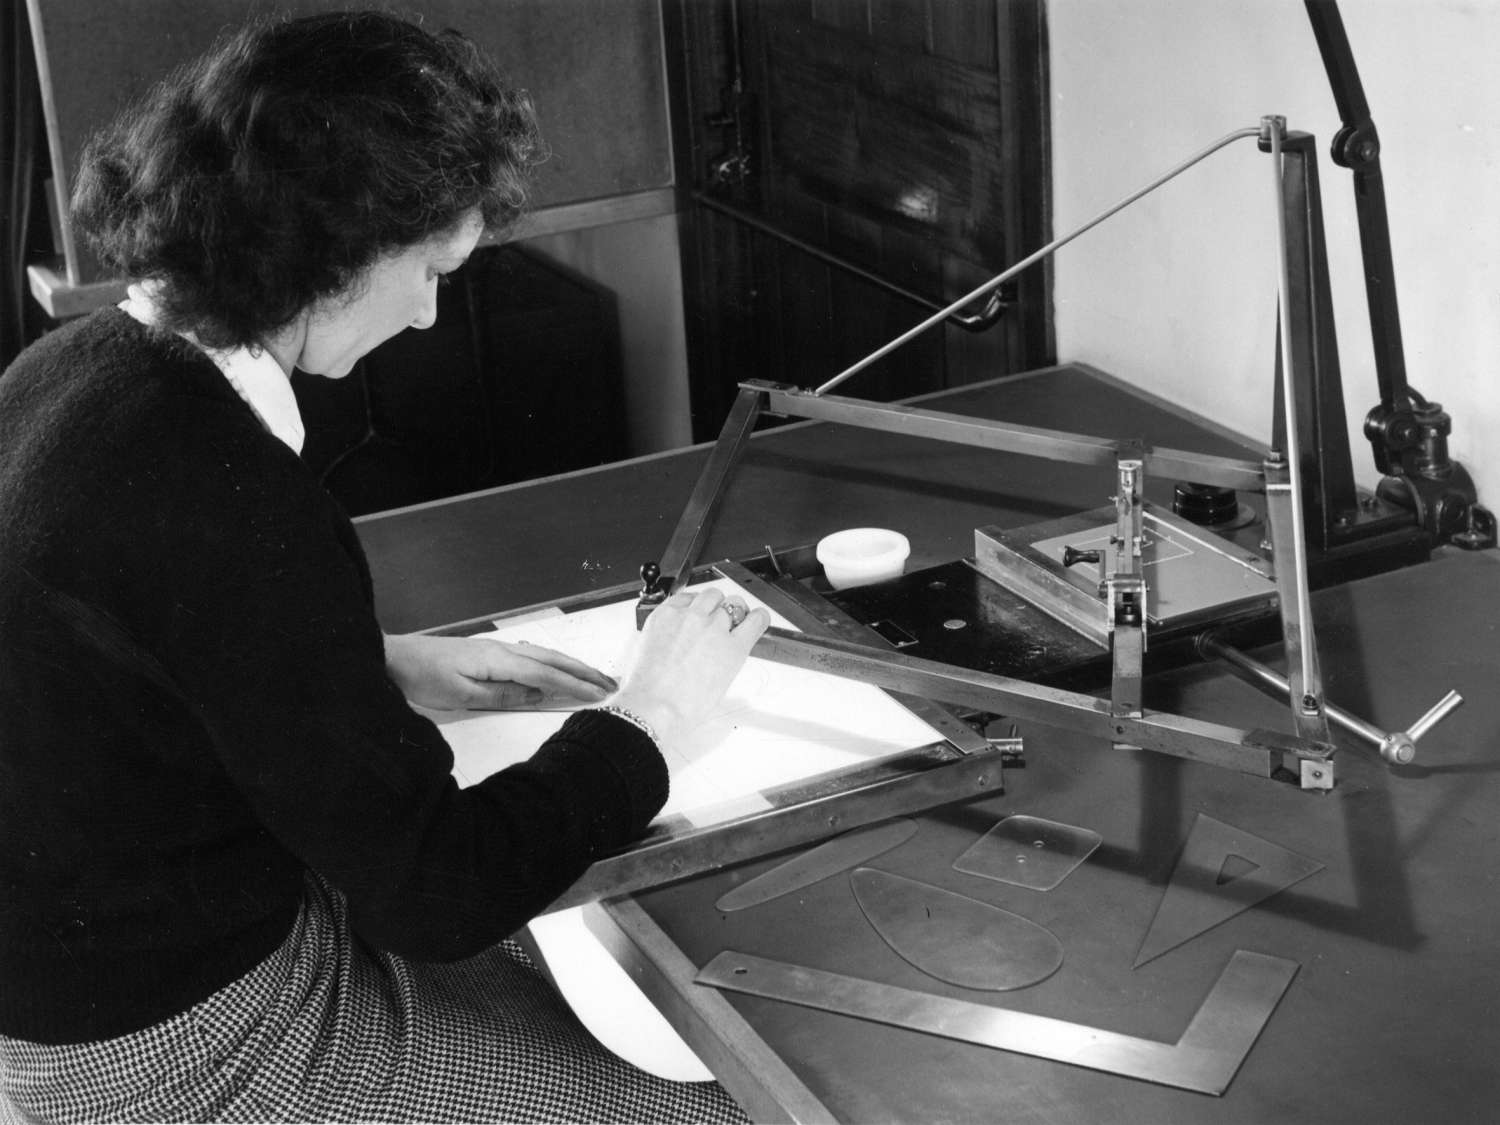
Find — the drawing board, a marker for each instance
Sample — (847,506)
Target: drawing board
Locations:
(776,726)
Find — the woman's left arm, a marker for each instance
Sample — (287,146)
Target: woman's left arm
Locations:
(477,673)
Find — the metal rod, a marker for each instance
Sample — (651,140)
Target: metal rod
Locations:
(978,322)
(1438,713)
(1031,259)
(1254,672)
(1396,747)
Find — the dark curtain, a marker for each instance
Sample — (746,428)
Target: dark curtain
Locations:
(23,164)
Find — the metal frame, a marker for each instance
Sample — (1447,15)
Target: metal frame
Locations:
(1311,458)
(961,765)
(1309,760)
(967,764)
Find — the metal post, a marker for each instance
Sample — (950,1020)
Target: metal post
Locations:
(1125,591)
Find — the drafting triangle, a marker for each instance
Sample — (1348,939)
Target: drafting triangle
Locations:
(1221,872)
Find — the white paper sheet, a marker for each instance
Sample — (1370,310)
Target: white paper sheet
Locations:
(776,725)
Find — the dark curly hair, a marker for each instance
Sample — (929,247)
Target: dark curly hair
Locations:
(275,169)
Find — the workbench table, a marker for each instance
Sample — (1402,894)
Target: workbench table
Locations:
(1390,1016)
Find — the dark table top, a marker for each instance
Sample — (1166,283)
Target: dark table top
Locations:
(1390,1015)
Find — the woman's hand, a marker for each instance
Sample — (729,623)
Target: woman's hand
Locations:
(476,673)
(692,647)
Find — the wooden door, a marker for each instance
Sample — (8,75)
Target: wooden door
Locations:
(846,167)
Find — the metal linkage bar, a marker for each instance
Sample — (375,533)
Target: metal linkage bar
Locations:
(1297,638)
(1257,752)
(687,542)
(1284,494)
(986,317)
(1009,437)
(1290,376)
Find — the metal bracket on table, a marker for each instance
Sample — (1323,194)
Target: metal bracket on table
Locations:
(1407,433)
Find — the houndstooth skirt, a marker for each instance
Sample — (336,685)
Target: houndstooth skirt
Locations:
(327,1030)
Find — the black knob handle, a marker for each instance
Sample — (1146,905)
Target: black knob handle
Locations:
(1072,555)
(650,577)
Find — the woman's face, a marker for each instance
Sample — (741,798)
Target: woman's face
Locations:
(399,291)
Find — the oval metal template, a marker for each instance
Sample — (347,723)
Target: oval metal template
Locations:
(955,938)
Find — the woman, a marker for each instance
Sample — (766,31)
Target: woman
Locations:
(236,878)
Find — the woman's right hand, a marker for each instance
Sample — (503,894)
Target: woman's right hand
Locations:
(690,650)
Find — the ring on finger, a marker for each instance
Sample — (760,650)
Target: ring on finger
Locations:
(737,612)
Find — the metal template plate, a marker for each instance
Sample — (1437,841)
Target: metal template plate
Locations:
(1188,572)
(816,864)
(1193,577)
(1221,872)
(1027,851)
(955,938)
(1204,1059)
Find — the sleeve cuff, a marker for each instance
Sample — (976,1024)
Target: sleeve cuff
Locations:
(630,752)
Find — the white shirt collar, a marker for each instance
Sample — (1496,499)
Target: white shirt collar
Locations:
(255,375)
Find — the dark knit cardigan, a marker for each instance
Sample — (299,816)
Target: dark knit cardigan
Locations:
(194,709)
